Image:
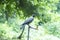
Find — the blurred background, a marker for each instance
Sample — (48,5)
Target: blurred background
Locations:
(14,12)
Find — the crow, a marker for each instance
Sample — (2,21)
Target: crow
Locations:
(29,20)
(26,22)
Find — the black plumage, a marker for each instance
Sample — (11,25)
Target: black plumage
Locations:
(29,20)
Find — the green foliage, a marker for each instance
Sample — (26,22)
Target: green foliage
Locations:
(14,12)
(53,28)
(50,37)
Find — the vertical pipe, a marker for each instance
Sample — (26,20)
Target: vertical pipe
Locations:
(28,32)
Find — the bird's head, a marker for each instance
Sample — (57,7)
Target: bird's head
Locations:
(33,15)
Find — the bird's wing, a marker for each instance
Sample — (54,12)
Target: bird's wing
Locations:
(28,20)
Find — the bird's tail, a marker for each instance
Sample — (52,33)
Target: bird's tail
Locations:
(22,26)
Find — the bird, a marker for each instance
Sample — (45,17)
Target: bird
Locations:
(26,22)
(29,20)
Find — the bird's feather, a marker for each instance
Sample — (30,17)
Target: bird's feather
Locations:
(29,20)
